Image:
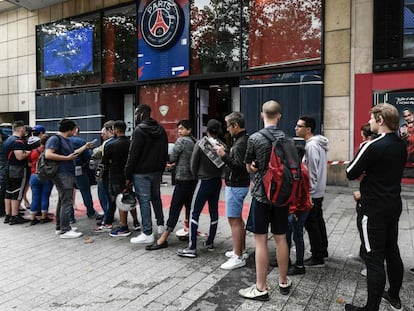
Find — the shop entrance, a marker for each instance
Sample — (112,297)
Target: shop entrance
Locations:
(214,100)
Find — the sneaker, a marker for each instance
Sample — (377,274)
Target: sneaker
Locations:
(284,289)
(253,293)
(120,232)
(58,231)
(395,303)
(296,270)
(364,272)
(314,263)
(349,307)
(71,234)
(72,221)
(45,220)
(17,220)
(209,247)
(143,239)
(187,252)
(230,254)
(234,263)
(7,219)
(411,270)
(99,216)
(137,226)
(34,222)
(103,228)
(160,229)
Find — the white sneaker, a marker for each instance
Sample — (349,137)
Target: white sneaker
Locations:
(230,254)
(233,263)
(160,229)
(143,239)
(60,231)
(364,272)
(71,235)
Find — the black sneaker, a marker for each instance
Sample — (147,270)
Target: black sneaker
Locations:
(284,289)
(34,222)
(395,303)
(296,270)
(314,263)
(411,270)
(349,307)
(137,226)
(17,220)
(45,220)
(7,219)
(209,247)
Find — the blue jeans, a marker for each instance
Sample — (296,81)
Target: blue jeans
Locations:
(207,190)
(40,194)
(147,188)
(64,185)
(105,198)
(296,224)
(84,186)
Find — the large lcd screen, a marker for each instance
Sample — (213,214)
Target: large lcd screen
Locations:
(68,52)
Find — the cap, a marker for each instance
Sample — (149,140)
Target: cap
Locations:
(37,129)
(214,126)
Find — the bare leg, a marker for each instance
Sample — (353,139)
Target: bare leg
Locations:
(262,260)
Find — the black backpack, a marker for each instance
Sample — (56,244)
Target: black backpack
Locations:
(46,169)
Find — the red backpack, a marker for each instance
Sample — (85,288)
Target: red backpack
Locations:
(285,181)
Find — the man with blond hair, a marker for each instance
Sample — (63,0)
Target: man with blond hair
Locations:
(380,164)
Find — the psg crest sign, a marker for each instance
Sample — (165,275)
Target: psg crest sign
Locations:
(161,23)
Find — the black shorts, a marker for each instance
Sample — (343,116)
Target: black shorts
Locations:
(261,215)
(15,188)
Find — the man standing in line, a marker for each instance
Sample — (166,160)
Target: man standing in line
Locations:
(380,164)
(102,180)
(15,153)
(262,213)
(147,158)
(114,158)
(315,160)
(237,186)
(60,148)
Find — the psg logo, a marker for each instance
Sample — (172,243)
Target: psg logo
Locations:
(161,23)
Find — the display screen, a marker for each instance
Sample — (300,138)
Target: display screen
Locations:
(68,52)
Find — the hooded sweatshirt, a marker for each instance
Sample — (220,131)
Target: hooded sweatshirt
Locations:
(148,152)
(315,160)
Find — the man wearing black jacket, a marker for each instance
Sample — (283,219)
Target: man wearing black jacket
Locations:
(380,164)
(237,186)
(146,162)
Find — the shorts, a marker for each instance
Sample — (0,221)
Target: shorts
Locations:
(262,214)
(234,201)
(15,188)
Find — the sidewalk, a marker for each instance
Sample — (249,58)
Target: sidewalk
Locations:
(39,271)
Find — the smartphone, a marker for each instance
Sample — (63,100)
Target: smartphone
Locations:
(95,140)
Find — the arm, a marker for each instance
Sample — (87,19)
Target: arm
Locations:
(250,157)
(134,152)
(195,159)
(177,150)
(359,164)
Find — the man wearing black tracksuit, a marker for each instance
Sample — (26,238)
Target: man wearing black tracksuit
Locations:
(380,164)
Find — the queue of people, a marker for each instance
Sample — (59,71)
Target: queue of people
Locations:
(139,162)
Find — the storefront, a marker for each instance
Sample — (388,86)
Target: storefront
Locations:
(197,60)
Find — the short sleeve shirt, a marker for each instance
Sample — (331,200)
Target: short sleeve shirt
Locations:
(62,146)
(14,143)
(258,151)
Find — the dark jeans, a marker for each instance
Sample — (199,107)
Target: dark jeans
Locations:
(207,190)
(84,186)
(315,225)
(296,224)
(105,198)
(182,196)
(379,239)
(2,196)
(40,194)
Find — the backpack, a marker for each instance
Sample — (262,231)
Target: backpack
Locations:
(285,181)
(46,169)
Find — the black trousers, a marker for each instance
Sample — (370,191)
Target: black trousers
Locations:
(182,196)
(379,242)
(315,226)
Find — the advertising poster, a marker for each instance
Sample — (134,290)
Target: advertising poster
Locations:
(163,39)
(404,102)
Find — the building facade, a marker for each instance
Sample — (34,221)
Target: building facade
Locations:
(197,59)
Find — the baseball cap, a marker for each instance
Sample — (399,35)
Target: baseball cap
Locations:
(37,129)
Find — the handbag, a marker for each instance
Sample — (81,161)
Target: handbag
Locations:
(126,200)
